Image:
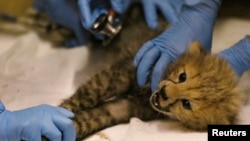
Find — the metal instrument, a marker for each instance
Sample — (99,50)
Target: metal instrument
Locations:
(108,25)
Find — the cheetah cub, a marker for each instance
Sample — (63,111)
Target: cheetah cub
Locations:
(198,89)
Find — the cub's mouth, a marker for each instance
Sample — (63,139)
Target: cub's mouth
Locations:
(155,104)
(154,101)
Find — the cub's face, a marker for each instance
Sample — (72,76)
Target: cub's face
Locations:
(198,89)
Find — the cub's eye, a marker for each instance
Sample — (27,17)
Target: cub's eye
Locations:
(182,77)
(186,104)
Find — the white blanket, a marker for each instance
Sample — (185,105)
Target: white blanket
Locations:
(33,72)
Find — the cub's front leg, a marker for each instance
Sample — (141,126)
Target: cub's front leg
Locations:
(105,115)
(115,80)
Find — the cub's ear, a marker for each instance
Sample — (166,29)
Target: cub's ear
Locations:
(195,48)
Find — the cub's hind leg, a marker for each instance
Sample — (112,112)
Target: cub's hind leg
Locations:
(111,113)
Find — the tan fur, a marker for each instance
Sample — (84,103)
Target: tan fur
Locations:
(211,88)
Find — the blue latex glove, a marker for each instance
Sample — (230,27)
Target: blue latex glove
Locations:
(120,6)
(90,10)
(238,56)
(30,124)
(64,13)
(169,8)
(192,2)
(195,23)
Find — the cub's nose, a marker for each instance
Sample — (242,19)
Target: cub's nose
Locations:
(162,93)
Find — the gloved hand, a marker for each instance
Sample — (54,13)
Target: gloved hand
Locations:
(169,8)
(30,124)
(90,10)
(195,23)
(64,13)
(192,2)
(238,56)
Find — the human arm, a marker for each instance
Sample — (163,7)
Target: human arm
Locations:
(238,56)
(64,13)
(32,123)
(192,2)
(195,23)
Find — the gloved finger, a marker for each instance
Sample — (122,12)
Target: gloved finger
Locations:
(66,126)
(65,112)
(145,48)
(146,64)
(2,107)
(81,36)
(169,13)
(72,43)
(120,6)
(27,135)
(150,14)
(117,5)
(192,2)
(30,133)
(51,132)
(84,7)
(32,137)
(159,71)
(39,5)
(98,11)
(99,36)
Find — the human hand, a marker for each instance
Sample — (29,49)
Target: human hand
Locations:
(31,124)
(64,13)
(238,56)
(192,2)
(195,23)
(170,9)
(91,10)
